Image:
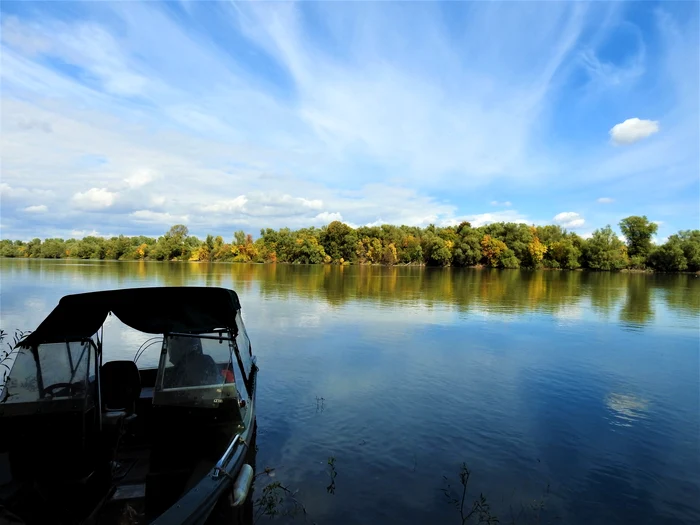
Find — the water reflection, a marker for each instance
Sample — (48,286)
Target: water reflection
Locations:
(638,309)
(631,298)
(587,381)
(626,408)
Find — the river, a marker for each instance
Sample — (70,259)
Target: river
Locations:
(577,390)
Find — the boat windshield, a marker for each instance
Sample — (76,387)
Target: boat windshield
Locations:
(49,372)
(191,361)
(197,370)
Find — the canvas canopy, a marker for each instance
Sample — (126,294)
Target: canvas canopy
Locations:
(155,310)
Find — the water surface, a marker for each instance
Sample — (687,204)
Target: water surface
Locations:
(586,383)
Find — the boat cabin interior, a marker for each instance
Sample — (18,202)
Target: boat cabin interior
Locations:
(85,439)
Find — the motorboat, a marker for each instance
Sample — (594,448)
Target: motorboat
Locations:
(86,440)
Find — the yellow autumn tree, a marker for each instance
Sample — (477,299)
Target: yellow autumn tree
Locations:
(492,249)
(361,249)
(390,256)
(536,249)
(141,251)
(374,251)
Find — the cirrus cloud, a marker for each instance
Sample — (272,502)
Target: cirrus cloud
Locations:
(605,200)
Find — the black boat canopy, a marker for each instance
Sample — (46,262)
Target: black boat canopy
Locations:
(156,310)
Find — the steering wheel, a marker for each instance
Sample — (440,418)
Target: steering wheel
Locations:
(73,389)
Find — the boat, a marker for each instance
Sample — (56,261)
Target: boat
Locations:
(84,440)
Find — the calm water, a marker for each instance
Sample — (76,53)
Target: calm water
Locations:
(584,382)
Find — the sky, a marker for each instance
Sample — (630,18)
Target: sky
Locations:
(130,117)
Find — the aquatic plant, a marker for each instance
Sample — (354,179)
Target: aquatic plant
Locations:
(7,358)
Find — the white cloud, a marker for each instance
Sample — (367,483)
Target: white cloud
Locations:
(633,130)
(266,204)
(20,193)
(336,131)
(569,219)
(41,208)
(159,217)
(140,178)
(84,233)
(325,217)
(480,219)
(605,200)
(94,199)
(228,205)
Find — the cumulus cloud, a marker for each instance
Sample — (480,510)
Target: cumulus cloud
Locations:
(325,217)
(633,130)
(266,204)
(94,199)
(41,208)
(605,200)
(361,128)
(480,219)
(569,219)
(140,178)
(228,205)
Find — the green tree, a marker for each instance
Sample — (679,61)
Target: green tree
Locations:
(669,257)
(339,241)
(437,251)
(690,243)
(34,248)
(563,253)
(604,251)
(467,249)
(53,249)
(638,231)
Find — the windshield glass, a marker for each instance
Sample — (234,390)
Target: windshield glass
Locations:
(191,361)
(60,370)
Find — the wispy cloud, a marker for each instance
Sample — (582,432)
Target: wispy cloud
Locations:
(289,114)
(605,200)
(39,208)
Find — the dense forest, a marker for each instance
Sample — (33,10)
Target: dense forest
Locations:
(498,245)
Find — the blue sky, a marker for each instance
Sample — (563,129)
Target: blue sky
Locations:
(129,117)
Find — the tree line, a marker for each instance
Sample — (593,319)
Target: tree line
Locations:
(497,245)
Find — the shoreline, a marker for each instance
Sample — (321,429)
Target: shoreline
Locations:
(345,264)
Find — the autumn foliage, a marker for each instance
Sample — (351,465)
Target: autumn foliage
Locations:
(497,245)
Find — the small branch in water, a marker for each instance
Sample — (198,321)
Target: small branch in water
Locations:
(480,508)
(320,404)
(333,473)
(272,501)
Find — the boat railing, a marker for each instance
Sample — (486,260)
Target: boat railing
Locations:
(220,466)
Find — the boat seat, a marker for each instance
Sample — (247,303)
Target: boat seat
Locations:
(121,389)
